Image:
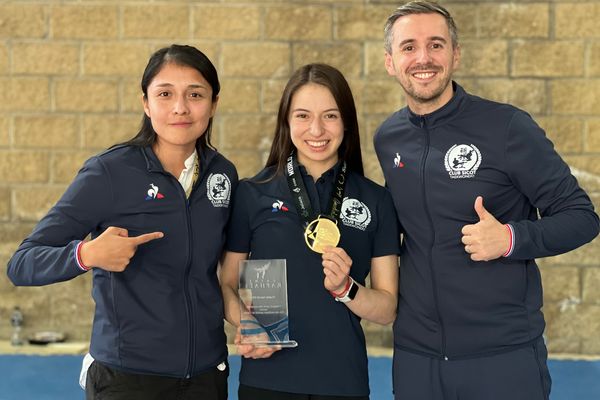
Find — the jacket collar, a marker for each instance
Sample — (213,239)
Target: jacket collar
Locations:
(442,114)
(153,163)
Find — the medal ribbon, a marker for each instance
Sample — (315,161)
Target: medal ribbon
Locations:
(300,195)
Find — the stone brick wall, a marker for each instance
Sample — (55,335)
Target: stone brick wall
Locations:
(70,70)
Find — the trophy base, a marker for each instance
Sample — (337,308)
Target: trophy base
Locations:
(283,345)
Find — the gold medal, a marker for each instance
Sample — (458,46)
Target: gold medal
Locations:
(320,233)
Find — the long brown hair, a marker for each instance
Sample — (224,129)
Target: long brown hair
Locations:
(332,79)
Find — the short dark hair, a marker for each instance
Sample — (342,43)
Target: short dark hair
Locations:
(182,55)
(332,79)
(418,7)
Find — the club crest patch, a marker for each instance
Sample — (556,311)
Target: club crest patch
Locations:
(218,190)
(462,161)
(355,214)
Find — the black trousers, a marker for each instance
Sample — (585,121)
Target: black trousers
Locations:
(520,374)
(104,383)
(253,393)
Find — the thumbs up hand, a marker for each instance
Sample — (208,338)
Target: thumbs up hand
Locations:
(488,239)
(114,248)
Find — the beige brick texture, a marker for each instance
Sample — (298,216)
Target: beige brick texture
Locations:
(371,124)
(66,164)
(9,296)
(471,85)
(234,22)
(248,132)
(372,167)
(11,234)
(382,97)
(359,92)
(572,320)
(45,58)
(552,59)
(487,58)
(590,344)
(271,94)
(248,163)
(77,21)
(34,303)
(3,58)
(593,65)
(156,21)
(239,95)
(298,23)
(565,133)
(46,131)
(344,56)
(212,49)
(591,283)
(122,59)
(514,20)
(4,204)
(592,137)
(103,131)
(527,94)
(576,97)
(361,22)
(586,169)
(86,95)
(375,60)
(563,345)
(130,99)
(4,134)
(23,21)
(261,60)
(24,166)
(68,299)
(465,17)
(578,20)
(31,204)
(560,283)
(24,94)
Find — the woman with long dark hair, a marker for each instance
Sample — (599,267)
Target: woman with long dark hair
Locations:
(312,207)
(156,208)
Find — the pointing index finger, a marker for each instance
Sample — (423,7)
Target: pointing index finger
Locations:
(146,237)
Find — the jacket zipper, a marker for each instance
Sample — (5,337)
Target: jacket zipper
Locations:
(431,225)
(186,290)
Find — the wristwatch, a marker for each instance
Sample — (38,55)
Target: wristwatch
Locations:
(350,293)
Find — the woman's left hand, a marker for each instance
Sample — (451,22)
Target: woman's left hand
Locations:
(248,350)
(336,267)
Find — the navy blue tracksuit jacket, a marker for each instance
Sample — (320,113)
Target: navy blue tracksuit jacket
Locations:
(164,314)
(451,307)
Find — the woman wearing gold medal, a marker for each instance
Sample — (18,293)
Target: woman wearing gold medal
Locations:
(312,206)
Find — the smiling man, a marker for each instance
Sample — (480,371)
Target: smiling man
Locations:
(469,323)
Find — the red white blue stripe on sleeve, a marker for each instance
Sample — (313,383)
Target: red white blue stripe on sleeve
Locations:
(511,245)
(80,263)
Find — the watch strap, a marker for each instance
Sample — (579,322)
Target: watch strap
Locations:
(350,293)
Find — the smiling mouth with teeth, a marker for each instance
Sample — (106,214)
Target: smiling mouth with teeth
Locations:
(424,75)
(317,144)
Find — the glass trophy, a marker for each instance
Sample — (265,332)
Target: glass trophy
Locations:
(263,303)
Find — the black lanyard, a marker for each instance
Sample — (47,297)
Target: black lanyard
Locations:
(300,195)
